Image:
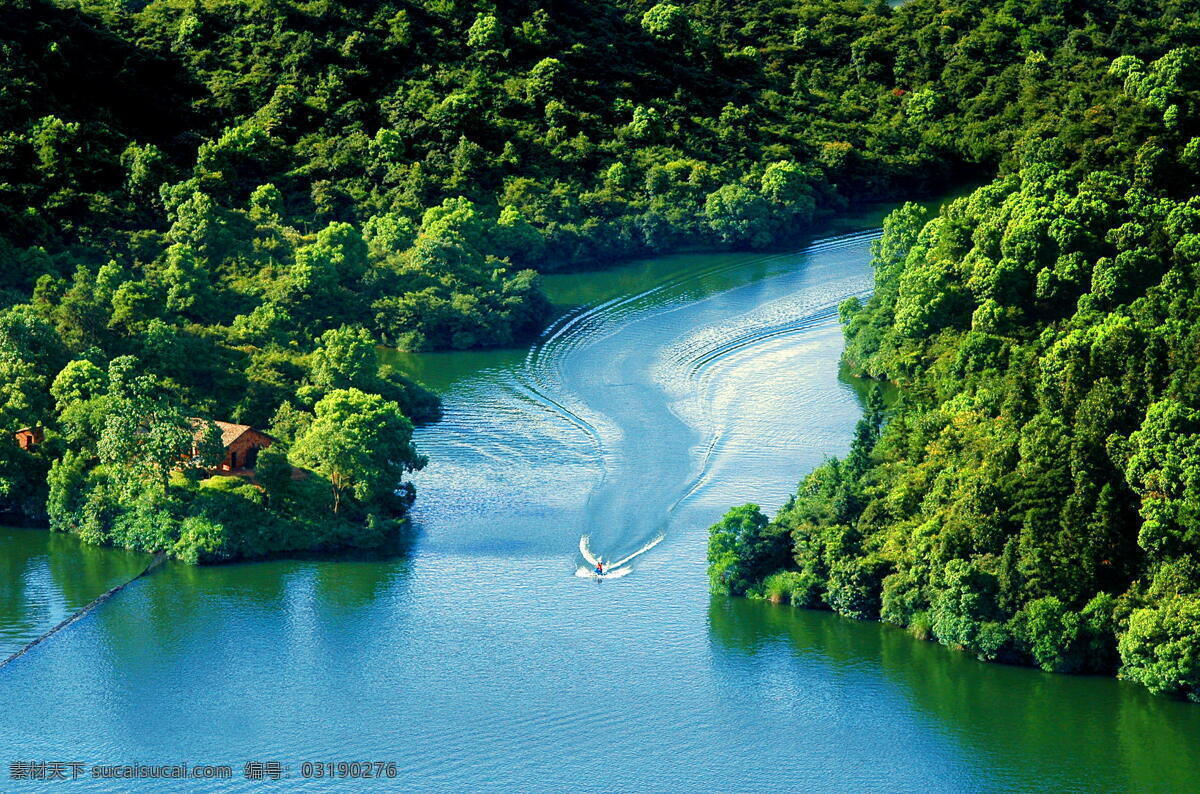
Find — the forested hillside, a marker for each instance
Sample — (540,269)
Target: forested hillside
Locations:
(1034,496)
(218,208)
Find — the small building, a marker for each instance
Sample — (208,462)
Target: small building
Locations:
(29,437)
(241,443)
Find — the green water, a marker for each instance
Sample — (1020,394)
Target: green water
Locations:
(475,658)
(46,577)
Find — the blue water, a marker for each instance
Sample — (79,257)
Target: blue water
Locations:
(475,659)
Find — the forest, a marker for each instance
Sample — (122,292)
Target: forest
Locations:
(219,210)
(1033,494)
(222,209)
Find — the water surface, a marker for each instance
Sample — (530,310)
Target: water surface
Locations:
(667,391)
(45,577)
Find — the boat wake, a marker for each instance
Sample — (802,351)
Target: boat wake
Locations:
(583,572)
(614,570)
(674,388)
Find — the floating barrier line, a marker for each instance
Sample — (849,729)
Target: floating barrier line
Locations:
(157,561)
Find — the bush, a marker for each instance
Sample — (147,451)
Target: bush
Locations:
(901,599)
(1050,633)
(921,626)
(962,607)
(1161,649)
(202,540)
(854,586)
(743,548)
(791,587)
(1099,635)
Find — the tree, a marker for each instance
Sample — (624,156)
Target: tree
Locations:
(667,21)
(485,33)
(145,168)
(743,548)
(361,442)
(147,435)
(187,283)
(79,395)
(787,185)
(289,422)
(739,216)
(1050,632)
(964,610)
(197,221)
(1164,469)
(345,357)
(30,354)
(515,237)
(1161,649)
(274,472)
(545,80)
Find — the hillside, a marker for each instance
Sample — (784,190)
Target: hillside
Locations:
(218,209)
(1034,496)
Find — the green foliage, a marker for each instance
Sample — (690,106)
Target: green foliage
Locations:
(964,607)
(666,21)
(1035,495)
(742,548)
(1161,649)
(361,443)
(739,216)
(1050,632)
(1163,468)
(245,198)
(274,472)
(146,435)
(485,33)
(790,587)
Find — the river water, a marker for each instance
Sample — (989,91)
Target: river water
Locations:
(475,659)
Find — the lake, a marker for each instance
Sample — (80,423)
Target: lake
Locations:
(475,658)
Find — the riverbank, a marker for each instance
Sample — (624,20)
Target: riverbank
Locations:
(1026,502)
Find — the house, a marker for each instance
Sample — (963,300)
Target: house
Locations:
(29,437)
(241,443)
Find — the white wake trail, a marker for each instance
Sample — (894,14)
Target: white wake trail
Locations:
(587,552)
(640,551)
(588,573)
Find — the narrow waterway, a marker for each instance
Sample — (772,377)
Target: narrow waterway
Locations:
(475,659)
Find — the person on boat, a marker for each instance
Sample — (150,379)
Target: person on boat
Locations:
(600,567)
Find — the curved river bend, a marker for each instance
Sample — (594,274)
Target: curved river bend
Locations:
(667,391)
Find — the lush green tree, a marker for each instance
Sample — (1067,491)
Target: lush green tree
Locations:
(1050,632)
(742,548)
(30,352)
(964,608)
(1161,649)
(667,21)
(1164,469)
(485,33)
(146,436)
(739,216)
(274,472)
(79,391)
(361,443)
(345,358)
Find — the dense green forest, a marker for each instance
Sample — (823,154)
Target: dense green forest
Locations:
(1034,494)
(217,209)
(220,208)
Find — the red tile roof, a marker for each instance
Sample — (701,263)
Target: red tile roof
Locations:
(230,432)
